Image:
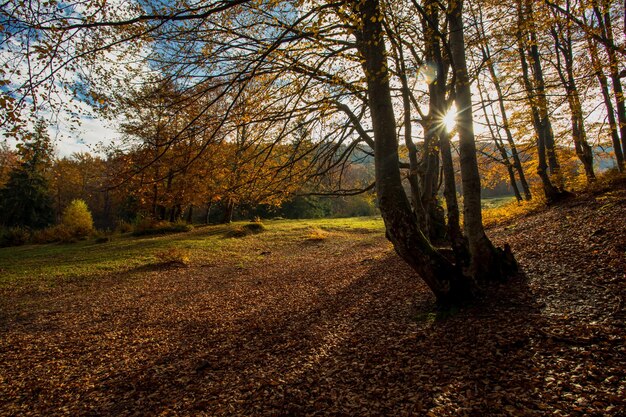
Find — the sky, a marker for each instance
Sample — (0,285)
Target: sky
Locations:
(70,137)
(85,138)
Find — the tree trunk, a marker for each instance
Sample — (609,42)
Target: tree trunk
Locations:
(433,122)
(229,210)
(563,45)
(207,218)
(497,140)
(447,282)
(517,163)
(413,176)
(190,214)
(486,263)
(457,240)
(542,103)
(604,22)
(606,96)
(551,193)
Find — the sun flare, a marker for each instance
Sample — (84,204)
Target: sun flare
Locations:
(449,120)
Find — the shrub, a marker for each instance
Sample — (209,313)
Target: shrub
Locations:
(147,227)
(246,229)
(14,236)
(47,235)
(58,233)
(317,235)
(173,256)
(124,227)
(77,219)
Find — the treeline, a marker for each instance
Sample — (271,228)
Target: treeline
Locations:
(126,187)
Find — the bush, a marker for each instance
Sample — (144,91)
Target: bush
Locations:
(77,219)
(58,233)
(246,229)
(147,227)
(173,256)
(317,235)
(124,227)
(14,236)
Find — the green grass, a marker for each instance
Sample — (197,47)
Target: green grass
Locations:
(496,202)
(51,263)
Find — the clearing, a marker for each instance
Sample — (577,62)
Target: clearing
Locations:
(316,318)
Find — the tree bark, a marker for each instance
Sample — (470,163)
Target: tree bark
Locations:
(413,175)
(447,282)
(563,45)
(190,214)
(486,263)
(207,218)
(517,164)
(432,123)
(542,125)
(498,142)
(229,209)
(455,234)
(604,22)
(542,101)
(610,111)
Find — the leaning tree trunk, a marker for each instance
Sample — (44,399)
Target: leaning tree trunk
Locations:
(516,166)
(542,106)
(413,175)
(486,262)
(446,281)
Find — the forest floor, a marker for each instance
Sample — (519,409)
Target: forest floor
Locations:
(330,323)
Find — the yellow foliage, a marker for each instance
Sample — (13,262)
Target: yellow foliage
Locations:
(316,234)
(506,212)
(173,256)
(77,218)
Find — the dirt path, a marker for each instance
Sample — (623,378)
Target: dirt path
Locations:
(339,327)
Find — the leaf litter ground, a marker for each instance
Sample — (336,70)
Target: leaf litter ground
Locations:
(335,326)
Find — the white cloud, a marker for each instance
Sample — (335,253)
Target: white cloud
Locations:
(83,138)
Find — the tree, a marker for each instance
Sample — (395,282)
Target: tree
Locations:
(510,147)
(535,87)
(24,200)
(77,218)
(8,162)
(486,263)
(562,34)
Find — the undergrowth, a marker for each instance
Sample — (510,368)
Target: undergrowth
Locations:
(246,229)
(506,212)
(317,235)
(496,215)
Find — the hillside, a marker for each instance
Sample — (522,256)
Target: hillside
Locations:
(317,318)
